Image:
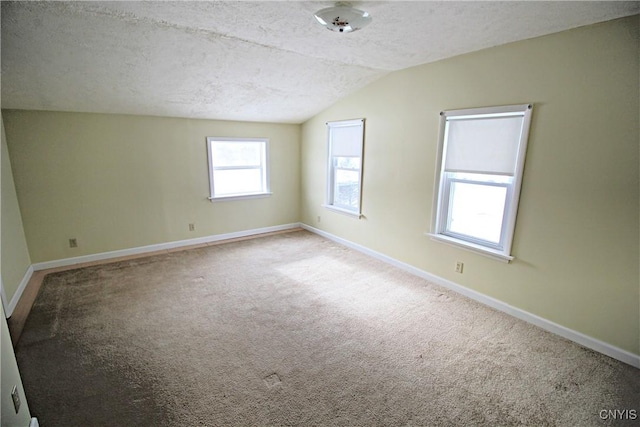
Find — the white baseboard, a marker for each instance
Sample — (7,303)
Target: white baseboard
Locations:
(18,293)
(575,336)
(159,247)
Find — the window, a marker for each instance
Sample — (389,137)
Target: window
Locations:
(480,163)
(238,167)
(344,178)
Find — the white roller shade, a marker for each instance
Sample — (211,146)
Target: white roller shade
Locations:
(483,145)
(346,140)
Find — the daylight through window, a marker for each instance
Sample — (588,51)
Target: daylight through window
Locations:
(481,161)
(344,183)
(238,167)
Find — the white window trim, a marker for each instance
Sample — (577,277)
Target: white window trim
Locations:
(343,211)
(240,197)
(266,193)
(330,176)
(471,247)
(501,252)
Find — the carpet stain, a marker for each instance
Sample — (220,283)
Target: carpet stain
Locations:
(444,297)
(567,387)
(55,325)
(272,380)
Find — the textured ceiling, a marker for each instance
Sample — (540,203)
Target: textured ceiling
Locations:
(256,61)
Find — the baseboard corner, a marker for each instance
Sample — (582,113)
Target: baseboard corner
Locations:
(18,293)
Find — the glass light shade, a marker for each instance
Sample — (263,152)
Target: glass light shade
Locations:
(343,19)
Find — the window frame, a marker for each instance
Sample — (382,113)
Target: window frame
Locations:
(445,226)
(332,167)
(263,167)
(441,217)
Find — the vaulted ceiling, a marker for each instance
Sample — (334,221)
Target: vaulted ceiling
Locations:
(245,60)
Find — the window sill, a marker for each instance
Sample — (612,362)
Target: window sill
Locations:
(239,197)
(343,211)
(481,250)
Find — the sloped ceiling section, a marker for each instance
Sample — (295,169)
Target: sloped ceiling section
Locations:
(243,60)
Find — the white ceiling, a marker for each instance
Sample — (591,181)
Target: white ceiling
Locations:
(245,60)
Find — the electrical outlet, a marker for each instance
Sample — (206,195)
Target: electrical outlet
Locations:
(73,243)
(319,218)
(459,266)
(192,227)
(16,398)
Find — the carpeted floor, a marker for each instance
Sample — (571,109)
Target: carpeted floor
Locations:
(293,329)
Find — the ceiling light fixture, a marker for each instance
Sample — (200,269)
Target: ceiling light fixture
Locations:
(343,18)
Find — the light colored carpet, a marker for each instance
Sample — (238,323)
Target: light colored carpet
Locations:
(293,329)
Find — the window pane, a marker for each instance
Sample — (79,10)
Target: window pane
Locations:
(347,189)
(237,181)
(237,153)
(477,210)
(347,162)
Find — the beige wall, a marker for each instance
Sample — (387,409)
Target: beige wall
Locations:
(10,377)
(15,255)
(576,239)
(9,373)
(116,182)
